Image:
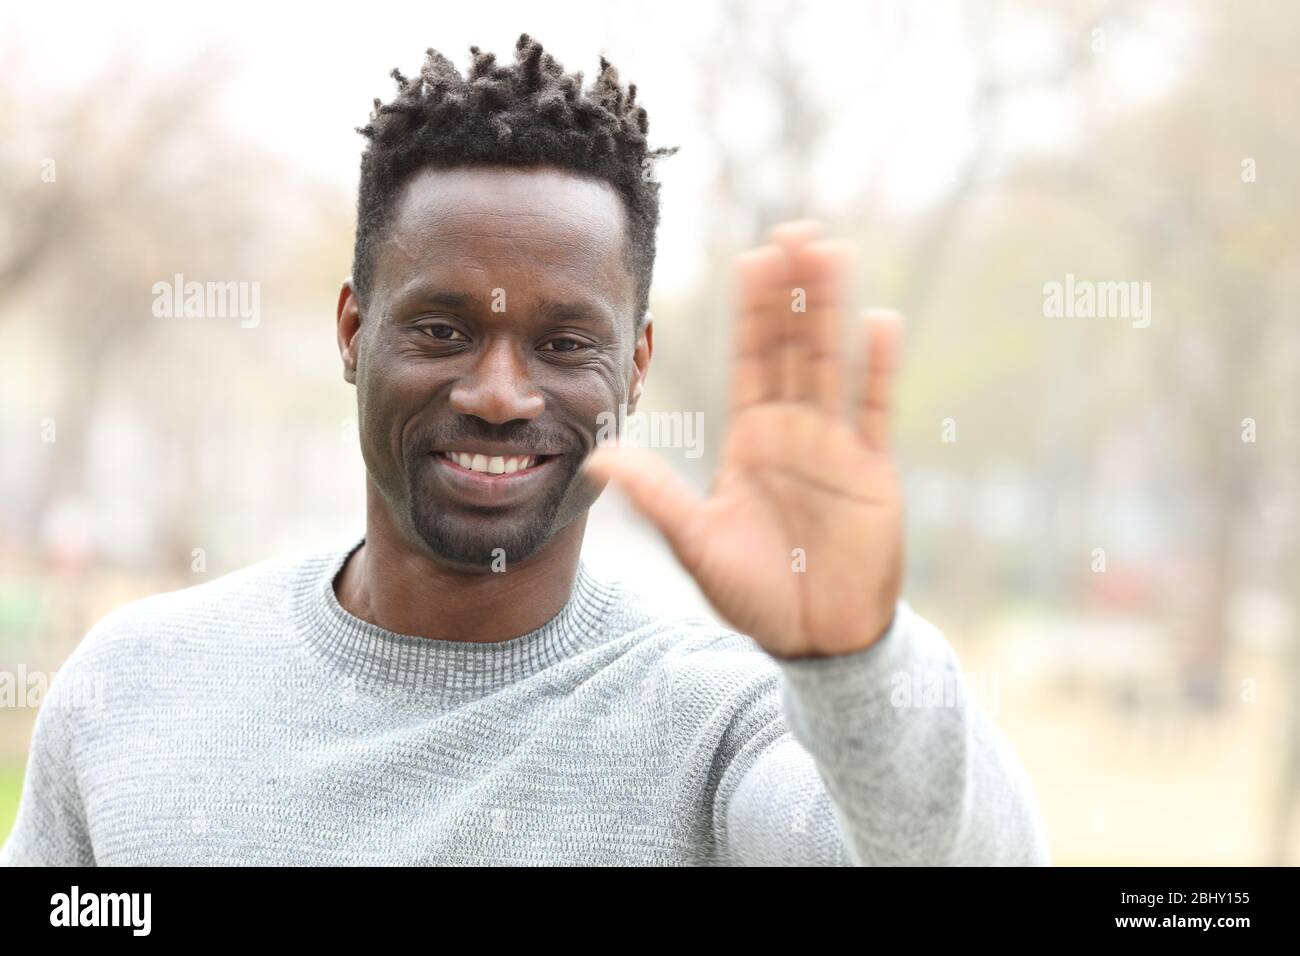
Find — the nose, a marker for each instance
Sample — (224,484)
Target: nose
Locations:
(497,388)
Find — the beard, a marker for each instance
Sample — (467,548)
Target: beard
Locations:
(482,538)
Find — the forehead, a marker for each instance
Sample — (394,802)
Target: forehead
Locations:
(503,226)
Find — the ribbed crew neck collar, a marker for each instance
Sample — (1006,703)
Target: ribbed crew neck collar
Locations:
(366,653)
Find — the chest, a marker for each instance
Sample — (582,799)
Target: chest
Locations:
(358,783)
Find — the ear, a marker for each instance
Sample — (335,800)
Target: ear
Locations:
(349,324)
(644,349)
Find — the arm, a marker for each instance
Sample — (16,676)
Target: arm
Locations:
(51,826)
(869,774)
(799,546)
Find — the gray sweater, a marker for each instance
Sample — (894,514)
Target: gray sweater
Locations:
(252,720)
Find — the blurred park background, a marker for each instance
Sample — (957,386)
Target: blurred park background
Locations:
(1103,514)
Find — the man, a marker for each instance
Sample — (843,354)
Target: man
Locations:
(459,686)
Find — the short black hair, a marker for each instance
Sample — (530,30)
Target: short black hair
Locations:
(528,113)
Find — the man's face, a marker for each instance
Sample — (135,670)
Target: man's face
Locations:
(500,325)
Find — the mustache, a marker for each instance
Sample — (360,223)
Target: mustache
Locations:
(545,439)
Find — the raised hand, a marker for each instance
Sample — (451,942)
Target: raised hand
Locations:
(800,543)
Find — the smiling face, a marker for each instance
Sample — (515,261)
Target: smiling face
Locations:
(500,325)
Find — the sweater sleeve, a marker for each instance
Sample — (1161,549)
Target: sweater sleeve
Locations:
(880,757)
(50,829)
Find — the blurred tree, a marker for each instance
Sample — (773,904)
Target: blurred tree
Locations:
(113,186)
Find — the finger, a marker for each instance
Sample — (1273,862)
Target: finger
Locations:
(789,307)
(755,374)
(655,490)
(824,268)
(794,235)
(884,331)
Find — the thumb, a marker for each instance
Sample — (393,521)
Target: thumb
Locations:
(655,489)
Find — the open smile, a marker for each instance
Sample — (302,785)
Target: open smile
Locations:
(479,479)
(493,464)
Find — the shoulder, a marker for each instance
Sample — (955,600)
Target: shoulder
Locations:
(709,668)
(248,596)
(692,642)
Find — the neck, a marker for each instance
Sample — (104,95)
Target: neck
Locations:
(396,586)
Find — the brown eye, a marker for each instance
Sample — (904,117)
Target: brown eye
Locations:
(445,333)
(563,345)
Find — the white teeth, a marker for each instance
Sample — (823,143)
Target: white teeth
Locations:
(493,465)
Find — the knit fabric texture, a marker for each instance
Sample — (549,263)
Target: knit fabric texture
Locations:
(251,720)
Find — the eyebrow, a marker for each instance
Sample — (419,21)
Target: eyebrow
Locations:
(436,297)
(579,311)
(423,297)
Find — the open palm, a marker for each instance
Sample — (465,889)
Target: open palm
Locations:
(800,544)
